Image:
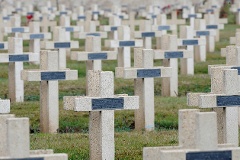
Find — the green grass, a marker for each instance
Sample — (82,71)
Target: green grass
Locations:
(73,132)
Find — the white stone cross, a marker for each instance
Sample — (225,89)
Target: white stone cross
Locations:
(170,55)
(131,22)
(15,141)
(225,98)
(233,40)
(79,16)
(200,30)
(61,44)
(143,74)
(101,103)
(49,75)
(46,23)
(236,8)
(147,34)
(35,36)
(124,45)
(192,16)
(186,39)
(174,19)
(15,58)
(16,26)
(198,140)
(63,11)
(114,23)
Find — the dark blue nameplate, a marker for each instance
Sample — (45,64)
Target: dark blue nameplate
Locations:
(50,9)
(1,45)
(94,34)
(96,56)
(81,17)
(62,45)
(36,36)
(40,18)
(148,34)
(209,10)
(238,9)
(64,12)
(176,54)
(162,28)
(185,7)
(121,17)
(114,28)
(148,73)
(107,103)
(18,58)
(6,18)
(18,9)
(192,16)
(210,155)
(228,100)
(53,76)
(30,13)
(190,42)
(238,68)
(214,6)
(202,33)
(212,26)
(127,43)
(69,29)
(18,29)
(154,16)
(95,12)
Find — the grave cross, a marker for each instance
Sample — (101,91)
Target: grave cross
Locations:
(79,16)
(46,23)
(201,31)
(192,16)
(35,36)
(15,141)
(236,8)
(49,75)
(143,74)
(15,58)
(63,11)
(225,98)
(16,26)
(61,44)
(101,103)
(174,19)
(187,40)
(147,34)
(123,45)
(197,140)
(114,23)
(132,23)
(233,40)
(170,55)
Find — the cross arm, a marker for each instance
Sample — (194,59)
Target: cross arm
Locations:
(16,29)
(83,35)
(57,45)
(134,73)
(198,15)
(59,156)
(85,56)
(141,34)
(108,28)
(100,103)
(191,42)
(74,29)
(199,33)
(164,27)
(41,75)
(123,43)
(31,36)
(26,57)
(167,54)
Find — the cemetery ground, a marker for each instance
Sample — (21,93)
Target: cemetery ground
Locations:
(73,133)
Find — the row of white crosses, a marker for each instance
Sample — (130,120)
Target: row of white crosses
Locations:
(15,138)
